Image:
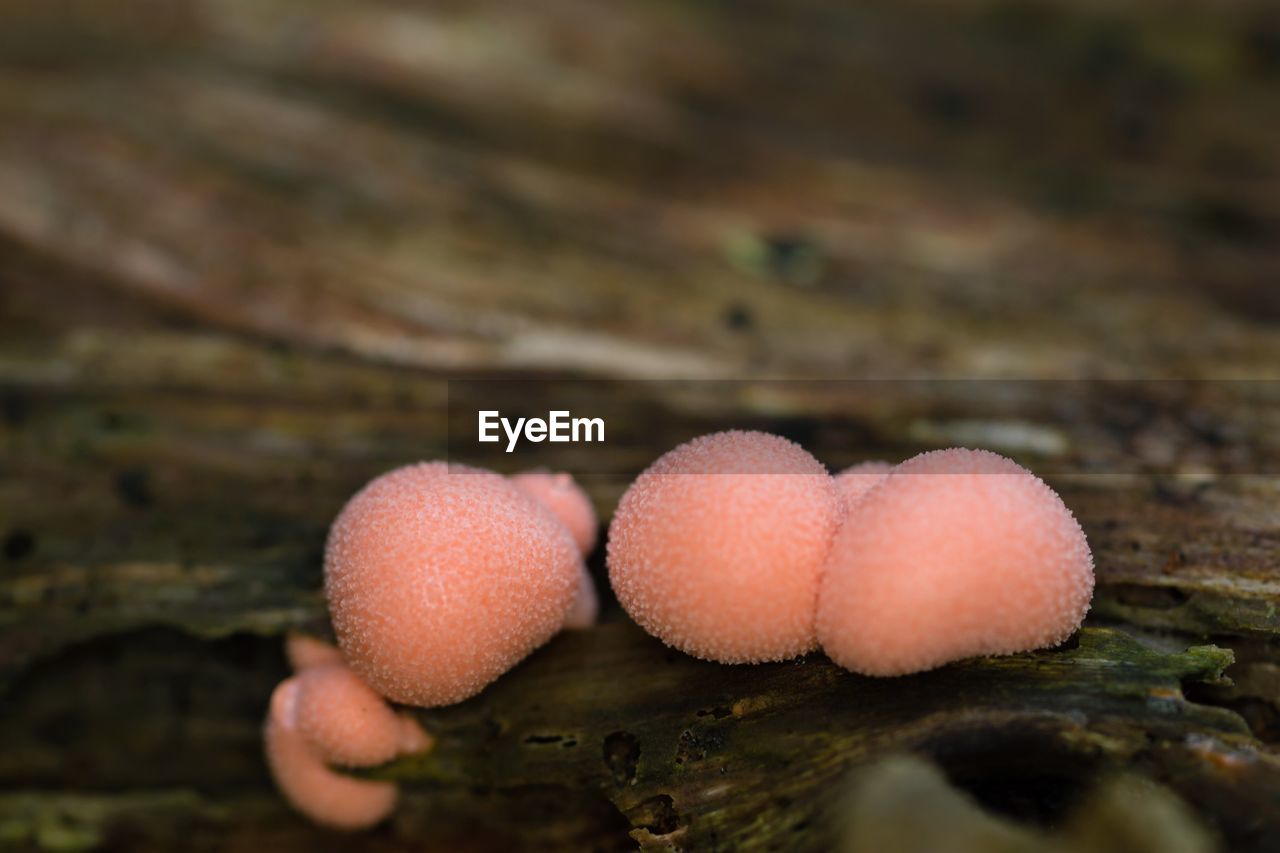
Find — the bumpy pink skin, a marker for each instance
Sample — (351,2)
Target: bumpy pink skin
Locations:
(717,548)
(569,503)
(855,481)
(442,577)
(957,553)
(566,500)
(327,797)
(344,720)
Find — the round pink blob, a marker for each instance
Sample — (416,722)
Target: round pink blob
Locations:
(566,500)
(957,553)
(442,577)
(344,719)
(855,481)
(716,549)
(327,797)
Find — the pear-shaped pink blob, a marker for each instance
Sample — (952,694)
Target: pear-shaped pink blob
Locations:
(957,553)
(716,549)
(442,577)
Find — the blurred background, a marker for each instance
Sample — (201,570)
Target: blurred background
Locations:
(246,244)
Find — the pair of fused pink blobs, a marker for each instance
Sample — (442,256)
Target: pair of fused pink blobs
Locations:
(739,547)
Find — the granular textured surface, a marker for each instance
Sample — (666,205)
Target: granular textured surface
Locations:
(569,503)
(344,719)
(716,548)
(856,480)
(566,500)
(442,577)
(957,553)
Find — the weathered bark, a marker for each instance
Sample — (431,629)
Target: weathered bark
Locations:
(244,246)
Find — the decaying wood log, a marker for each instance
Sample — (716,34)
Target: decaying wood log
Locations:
(249,249)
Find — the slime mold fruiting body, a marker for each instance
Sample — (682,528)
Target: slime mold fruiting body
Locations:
(326,796)
(326,715)
(956,553)
(442,577)
(347,722)
(566,500)
(439,579)
(717,547)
